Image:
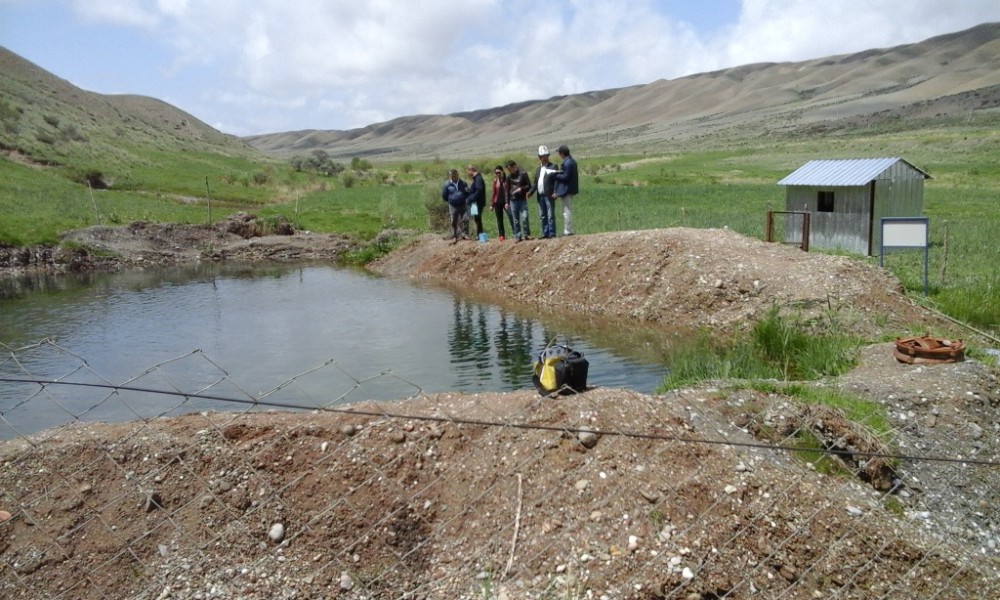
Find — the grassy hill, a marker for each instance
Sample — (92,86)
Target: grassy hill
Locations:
(48,120)
(63,149)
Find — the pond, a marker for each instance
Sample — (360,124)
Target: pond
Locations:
(304,335)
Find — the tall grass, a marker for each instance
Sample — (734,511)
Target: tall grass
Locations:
(682,187)
(36,210)
(738,207)
(777,347)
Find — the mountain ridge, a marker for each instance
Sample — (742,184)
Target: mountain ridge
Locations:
(944,77)
(767,97)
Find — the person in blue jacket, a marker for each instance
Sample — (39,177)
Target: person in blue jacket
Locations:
(477,196)
(454,192)
(567,186)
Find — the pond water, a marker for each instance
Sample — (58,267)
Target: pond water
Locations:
(306,335)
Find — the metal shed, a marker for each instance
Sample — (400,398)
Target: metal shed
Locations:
(847,198)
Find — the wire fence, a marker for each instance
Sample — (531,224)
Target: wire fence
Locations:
(159,488)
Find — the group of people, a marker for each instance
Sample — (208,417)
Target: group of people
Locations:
(511,191)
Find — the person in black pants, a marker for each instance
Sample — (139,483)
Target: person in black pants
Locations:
(518,185)
(498,202)
(477,197)
(454,192)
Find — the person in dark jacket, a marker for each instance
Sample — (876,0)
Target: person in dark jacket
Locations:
(542,189)
(454,192)
(567,186)
(477,197)
(518,186)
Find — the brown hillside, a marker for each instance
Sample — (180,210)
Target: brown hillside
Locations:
(766,97)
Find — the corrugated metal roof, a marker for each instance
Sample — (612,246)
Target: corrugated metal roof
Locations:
(842,172)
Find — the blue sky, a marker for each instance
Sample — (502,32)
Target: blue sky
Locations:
(264,66)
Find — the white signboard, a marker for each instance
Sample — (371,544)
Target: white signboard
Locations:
(904,233)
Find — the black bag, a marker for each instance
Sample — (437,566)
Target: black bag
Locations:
(560,369)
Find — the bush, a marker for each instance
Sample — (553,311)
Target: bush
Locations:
(360,164)
(378,247)
(437,210)
(260,178)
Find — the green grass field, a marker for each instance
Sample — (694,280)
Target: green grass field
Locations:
(699,188)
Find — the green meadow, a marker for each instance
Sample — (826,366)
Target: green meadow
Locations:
(699,187)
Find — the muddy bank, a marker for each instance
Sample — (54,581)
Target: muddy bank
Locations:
(240,237)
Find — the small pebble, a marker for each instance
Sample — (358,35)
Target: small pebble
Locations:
(277,533)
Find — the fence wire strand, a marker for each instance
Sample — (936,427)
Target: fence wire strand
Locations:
(236,485)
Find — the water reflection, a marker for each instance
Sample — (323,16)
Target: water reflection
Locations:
(480,347)
(308,335)
(516,348)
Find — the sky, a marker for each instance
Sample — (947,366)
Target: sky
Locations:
(266,66)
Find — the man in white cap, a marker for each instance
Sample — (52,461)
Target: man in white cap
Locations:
(543,189)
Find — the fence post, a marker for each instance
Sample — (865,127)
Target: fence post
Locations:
(805,231)
(208,195)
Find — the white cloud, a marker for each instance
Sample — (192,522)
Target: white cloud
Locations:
(789,30)
(348,62)
(130,13)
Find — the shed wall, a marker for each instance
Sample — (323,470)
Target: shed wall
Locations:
(844,229)
(896,198)
(899,192)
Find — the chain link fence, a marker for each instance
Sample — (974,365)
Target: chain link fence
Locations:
(159,488)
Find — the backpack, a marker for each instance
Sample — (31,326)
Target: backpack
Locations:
(560,369)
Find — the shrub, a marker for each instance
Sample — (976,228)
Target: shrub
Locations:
(260,178)
(360,164)
(378,247)
(91,178)
(71,133)
(8,112)
(437,211)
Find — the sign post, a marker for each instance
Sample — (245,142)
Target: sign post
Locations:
(905,232)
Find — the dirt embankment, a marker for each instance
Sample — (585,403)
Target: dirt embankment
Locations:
(687,277)
(241,237)
(605,494)
(695,277)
